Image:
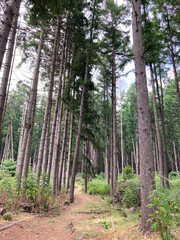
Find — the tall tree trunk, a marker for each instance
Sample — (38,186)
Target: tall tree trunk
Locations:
(144,127)
(76,153)
(107,140)
(114,123)
(57,105)
(31,108)
(27,157)
(45,152)
(137,154)
(48,102)
(161,103)
(11,9)
(122,145)
(173,62)
(24,112)
(7,67)
(12,142)
(160,151)
(175,156)
(63,150)
(69,152)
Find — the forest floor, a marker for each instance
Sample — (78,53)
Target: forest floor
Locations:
(87,218)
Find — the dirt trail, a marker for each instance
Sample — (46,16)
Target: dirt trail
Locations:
(88,218)
(62,227)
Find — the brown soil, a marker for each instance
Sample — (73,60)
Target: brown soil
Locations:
(78,221)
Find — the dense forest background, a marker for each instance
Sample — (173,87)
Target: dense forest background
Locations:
(73,114)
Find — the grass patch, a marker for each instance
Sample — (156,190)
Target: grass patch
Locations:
(98,187)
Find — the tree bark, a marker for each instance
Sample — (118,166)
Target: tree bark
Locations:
(48,102)
(69,152)
(57,106)
(175,156)
(144,127)
(161,103)
(31,108)
(76,153)
(12,9)
(173,62)
(7,67)
(160,151)
(63,150)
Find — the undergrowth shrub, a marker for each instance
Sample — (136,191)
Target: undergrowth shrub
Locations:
(131,193)
(9,195)
(9,167)
(166,203)
(39,196)
(128,173)
(99,187)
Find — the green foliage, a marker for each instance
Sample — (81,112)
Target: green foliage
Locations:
(166,203)
(8,192)
(162,214)
(131,195)
(7,217)
(9,166)
(38,195)
(99,187)
(173,174)
(100,176)
(128,173)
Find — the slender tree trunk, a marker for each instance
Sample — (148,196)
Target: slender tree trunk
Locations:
(12,142)
(137,154)
(76,153)
(48,102)
(144,127)
(24,112)
(111,163)
(4,156)
(7,67)
(173,62)
(69,151)
(114,124)
(161,103)
(122,145)
(175,156)
(11,9)
(63,150)
(134,151)
(31,108)
(27,156)
(58,134)
(154,152)
(57,106)
(160,151)
(107,145)
(45,152)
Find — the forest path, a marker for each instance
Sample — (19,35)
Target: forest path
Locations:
(88,218)
(66,226)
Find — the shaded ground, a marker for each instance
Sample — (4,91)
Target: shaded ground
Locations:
(87,218)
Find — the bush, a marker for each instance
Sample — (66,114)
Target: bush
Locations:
(174,174)
(128,173)
(131,193)
(101,176)
(99,187)
(39,196)
(7,217)
(9,166)
(166,203)
(8,192)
